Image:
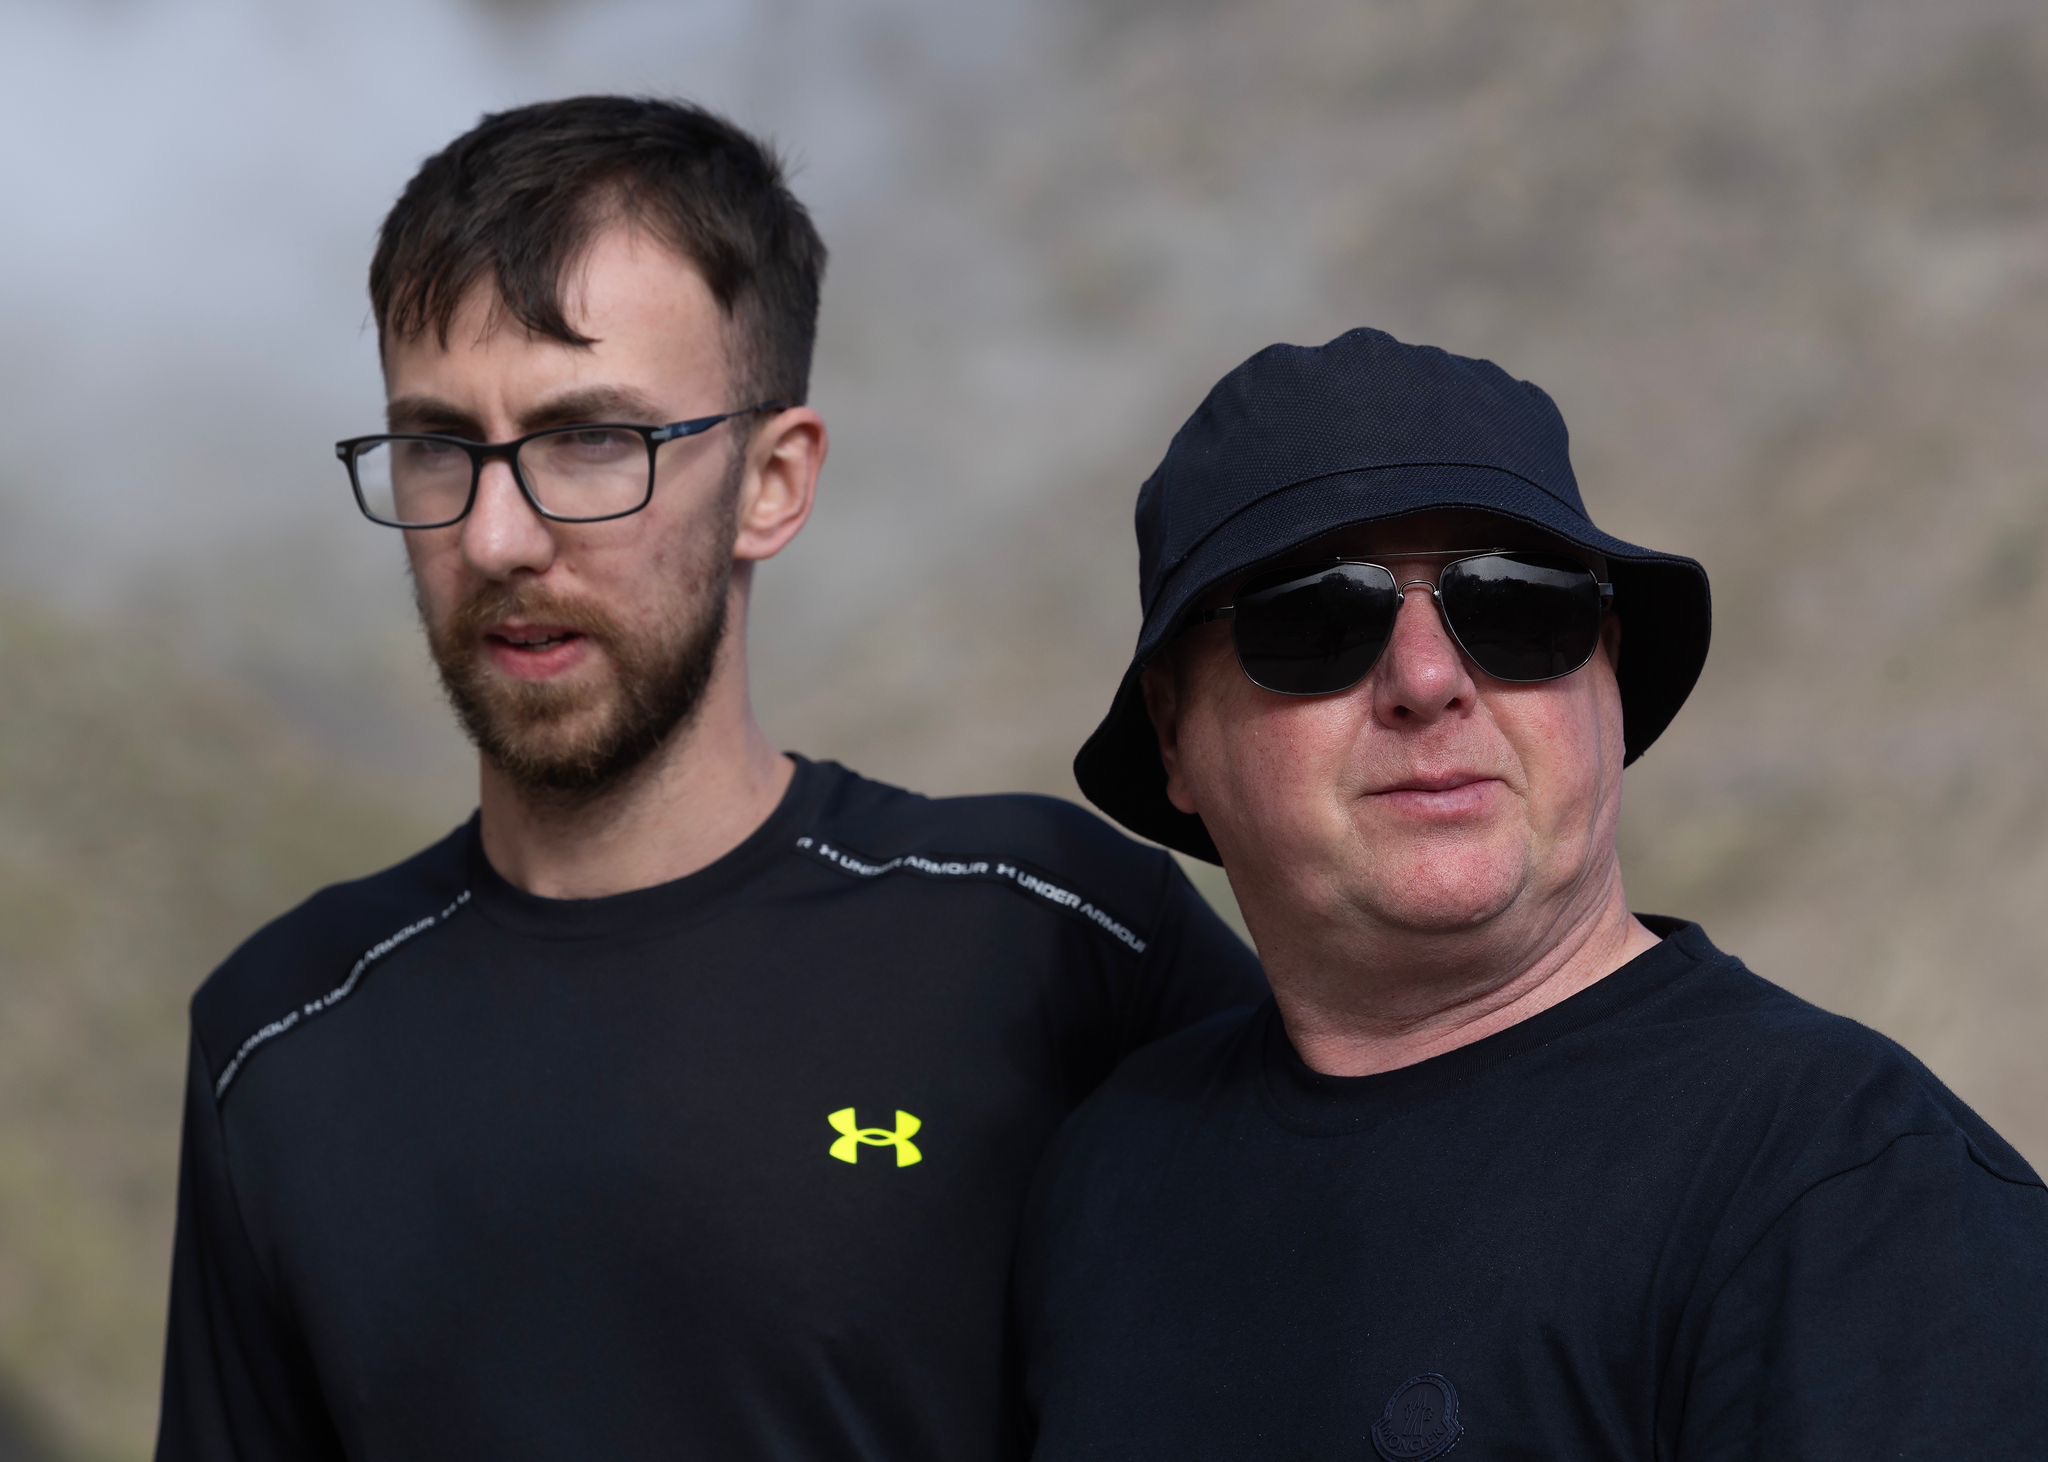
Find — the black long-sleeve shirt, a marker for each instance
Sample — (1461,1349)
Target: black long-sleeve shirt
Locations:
(727,1168)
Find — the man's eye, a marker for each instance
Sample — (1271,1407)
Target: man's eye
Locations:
(596,444)
(425,452)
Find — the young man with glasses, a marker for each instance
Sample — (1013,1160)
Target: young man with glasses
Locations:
(682,1102)
(1501,1167)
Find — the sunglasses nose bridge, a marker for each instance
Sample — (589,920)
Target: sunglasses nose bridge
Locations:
(1435,592)
(1428,587)
(1422,668)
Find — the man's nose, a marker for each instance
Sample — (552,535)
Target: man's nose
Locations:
(1422,674)
(503,534)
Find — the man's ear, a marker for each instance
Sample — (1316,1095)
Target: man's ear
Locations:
(781,482)
(1165,689)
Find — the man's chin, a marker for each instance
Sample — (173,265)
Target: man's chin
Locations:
(548,740)
(1444,894)
(578,751)
(561,768)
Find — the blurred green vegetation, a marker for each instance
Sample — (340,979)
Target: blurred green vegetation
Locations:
(153,817)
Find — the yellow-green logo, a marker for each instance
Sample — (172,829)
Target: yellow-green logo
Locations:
(853,1136)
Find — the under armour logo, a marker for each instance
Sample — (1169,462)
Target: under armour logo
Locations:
(853,1136)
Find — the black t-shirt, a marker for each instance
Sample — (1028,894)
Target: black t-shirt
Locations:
(1680,1215)
(727,1168)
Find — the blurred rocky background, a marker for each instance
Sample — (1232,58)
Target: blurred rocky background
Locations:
(1784,264)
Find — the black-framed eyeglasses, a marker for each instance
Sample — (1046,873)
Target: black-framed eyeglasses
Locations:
(588,473)
(1319,629)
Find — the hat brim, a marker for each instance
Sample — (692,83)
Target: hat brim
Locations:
(1662,600)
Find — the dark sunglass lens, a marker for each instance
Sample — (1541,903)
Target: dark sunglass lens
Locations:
(1523,617)
(1316,633)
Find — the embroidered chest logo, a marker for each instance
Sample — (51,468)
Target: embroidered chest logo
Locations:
(852,1137)
(1420,1422)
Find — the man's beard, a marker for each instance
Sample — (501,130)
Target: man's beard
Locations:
(573,741)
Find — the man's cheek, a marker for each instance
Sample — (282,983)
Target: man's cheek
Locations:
(1259,787)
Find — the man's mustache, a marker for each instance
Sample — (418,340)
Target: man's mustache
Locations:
(498,604)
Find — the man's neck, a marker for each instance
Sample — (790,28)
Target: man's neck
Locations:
(696,799)
(1375,999)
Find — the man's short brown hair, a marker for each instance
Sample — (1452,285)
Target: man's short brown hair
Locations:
(514,203)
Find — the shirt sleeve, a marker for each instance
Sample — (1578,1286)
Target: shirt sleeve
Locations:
(1898,1309)
(1194,966)
(236,1380)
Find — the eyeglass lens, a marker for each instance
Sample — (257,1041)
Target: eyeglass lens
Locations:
(579,472)
(1317,633)
(1519,618)
(1522,618)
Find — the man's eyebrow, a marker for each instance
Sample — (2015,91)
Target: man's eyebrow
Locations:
(594,403)
(422,413)
(429,414)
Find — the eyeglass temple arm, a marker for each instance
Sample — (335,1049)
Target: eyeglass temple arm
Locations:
(705,423)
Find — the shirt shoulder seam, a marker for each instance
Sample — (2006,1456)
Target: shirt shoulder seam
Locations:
(321,1004)
(1856,1167)
(1008,871)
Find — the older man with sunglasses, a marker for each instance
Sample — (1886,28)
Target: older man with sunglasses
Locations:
(1501,1166)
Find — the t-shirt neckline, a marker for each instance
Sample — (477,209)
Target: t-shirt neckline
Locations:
(664,906)
(1308,1100)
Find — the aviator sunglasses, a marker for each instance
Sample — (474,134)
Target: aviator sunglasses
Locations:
(1319,629)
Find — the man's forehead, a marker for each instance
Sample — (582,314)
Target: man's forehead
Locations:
(651,325)
(623,272)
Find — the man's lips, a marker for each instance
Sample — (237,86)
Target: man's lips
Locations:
(1439,782)
(531,636)
(535,651)
(1445,796)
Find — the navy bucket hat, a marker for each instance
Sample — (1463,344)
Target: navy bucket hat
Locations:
(1300,441)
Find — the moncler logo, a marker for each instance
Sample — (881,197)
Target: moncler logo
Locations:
(1420,1422)
(852,1137)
